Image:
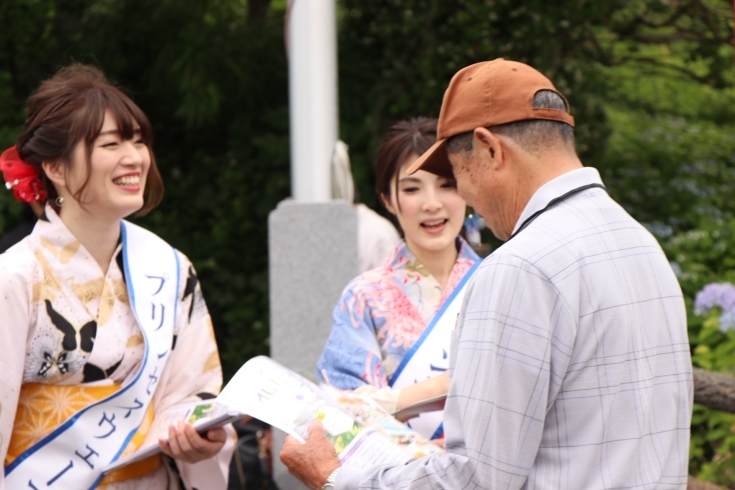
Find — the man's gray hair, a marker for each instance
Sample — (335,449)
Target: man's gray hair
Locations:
(533,135)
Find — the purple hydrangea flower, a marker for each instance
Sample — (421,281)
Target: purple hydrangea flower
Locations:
(720,295)
(727,321)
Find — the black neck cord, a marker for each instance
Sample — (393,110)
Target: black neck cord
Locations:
(553,203)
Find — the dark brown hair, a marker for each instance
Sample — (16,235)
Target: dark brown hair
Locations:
(413,136)
(70,107)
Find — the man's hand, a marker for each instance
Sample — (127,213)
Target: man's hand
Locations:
(185,444)
(312,462)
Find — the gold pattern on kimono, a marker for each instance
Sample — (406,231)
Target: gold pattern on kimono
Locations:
(417,267)
(212,362)
(42,408)
(134,341)
(120,290)
(65,254)
(89,291)
(44,289)
(113,290)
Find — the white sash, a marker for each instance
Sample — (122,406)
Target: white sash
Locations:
(72,457)
(429,357)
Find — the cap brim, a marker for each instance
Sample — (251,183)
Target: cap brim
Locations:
(434,160)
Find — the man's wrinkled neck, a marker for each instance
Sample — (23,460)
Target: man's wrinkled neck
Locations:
(531,173)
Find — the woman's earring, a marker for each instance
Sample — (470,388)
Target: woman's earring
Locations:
(59,201)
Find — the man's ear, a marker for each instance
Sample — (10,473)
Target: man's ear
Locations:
(388,204)
(55,173)
(488,143)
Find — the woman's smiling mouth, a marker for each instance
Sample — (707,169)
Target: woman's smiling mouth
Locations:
(128,181)
(434,226)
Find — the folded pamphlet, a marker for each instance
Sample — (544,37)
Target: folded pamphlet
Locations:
(362,432)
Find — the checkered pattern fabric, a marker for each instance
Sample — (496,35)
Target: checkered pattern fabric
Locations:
(570,363)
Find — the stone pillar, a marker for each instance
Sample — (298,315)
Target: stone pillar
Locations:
(313,255)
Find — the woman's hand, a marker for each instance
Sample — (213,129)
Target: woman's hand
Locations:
(185,444)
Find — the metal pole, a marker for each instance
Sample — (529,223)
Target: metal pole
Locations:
(312,65)
(312,238)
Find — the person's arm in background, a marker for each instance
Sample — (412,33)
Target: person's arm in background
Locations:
(423,390)
(510,315)
(393,400)
(352,358)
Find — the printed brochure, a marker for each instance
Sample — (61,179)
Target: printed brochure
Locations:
(362,432)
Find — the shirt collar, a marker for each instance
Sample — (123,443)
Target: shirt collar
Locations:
(557,187)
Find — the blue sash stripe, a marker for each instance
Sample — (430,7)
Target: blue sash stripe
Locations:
(178,283)
(433,323)
(131,293)
(439,432)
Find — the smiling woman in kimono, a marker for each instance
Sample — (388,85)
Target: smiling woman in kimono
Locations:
(392,324)
(103,323)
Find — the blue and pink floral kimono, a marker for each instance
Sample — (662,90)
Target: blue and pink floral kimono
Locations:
(380,316)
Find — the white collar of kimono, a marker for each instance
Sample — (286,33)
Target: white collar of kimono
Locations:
(54,230)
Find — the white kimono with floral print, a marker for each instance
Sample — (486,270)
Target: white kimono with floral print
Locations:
(64,322)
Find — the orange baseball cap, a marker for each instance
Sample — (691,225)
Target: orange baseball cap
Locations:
(483,95)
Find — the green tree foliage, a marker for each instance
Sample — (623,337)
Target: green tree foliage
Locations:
(397,57)
(650,83)
(212,77)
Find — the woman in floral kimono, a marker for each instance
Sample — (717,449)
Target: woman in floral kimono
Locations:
(384,314)
(103,324)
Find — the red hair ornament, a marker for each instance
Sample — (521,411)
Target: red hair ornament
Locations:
(23,179)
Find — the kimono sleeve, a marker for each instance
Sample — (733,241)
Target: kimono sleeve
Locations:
(15,301)
(352,356)
(193,373)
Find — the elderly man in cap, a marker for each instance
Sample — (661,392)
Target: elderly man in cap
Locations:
(570,363)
